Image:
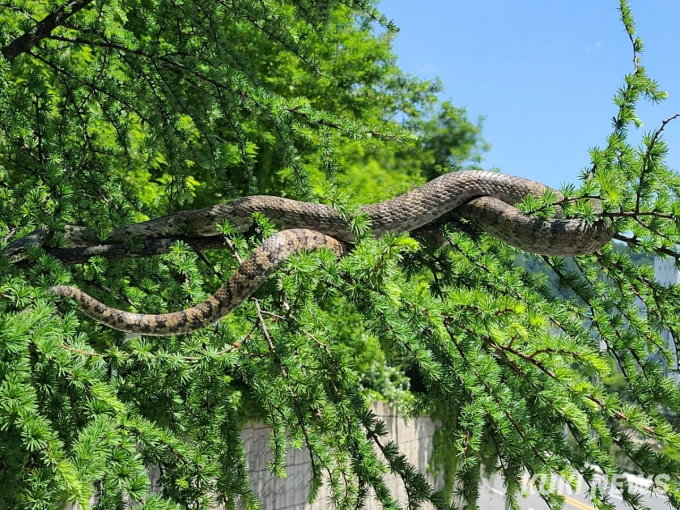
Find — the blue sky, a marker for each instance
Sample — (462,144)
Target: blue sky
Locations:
(543,73)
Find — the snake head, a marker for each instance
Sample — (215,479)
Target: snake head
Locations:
(16,250)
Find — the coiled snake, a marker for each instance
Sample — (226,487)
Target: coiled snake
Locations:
(485,197)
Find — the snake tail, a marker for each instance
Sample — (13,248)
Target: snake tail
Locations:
(252,273)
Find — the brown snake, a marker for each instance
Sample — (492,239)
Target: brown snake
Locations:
(485,197)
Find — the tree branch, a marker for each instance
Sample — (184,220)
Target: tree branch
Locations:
(121,251)
(160,245)
(40,31)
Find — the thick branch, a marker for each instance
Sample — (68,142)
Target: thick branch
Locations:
(121,251)
(25,42)
(160,245)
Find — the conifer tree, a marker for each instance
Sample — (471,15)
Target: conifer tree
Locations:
(114,112)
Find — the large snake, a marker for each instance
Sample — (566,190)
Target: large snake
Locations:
(485,197)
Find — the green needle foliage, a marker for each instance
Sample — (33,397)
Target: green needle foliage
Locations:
(113,112)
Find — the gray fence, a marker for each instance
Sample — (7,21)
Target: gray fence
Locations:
(414,438)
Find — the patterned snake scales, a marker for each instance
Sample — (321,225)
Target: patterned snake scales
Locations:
(485,197)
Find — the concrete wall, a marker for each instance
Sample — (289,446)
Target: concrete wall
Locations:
(414,439)
(667,274)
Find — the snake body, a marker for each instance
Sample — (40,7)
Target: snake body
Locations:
(485,197)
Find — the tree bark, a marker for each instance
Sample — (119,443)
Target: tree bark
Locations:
(160,245)
(121,251)
(25,42)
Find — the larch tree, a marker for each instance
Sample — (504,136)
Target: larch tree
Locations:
(114,112)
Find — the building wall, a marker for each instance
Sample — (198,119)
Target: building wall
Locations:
(665,271)
(415,439)
(667,274)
